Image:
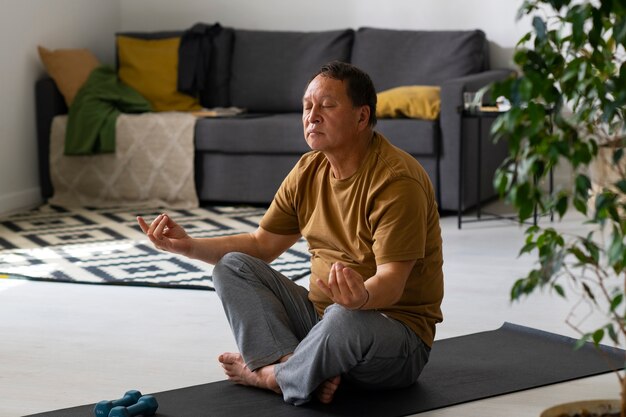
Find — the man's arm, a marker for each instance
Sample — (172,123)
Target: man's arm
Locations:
(261,244)
(168,235)
(348,288)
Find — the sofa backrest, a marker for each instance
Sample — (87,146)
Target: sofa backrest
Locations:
(395,58)
(266,71)
(269,69)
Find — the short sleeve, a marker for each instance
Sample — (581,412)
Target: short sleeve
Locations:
(281,217)
(399,221)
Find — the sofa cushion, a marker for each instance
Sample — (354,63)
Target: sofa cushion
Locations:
(241,178)
(394,58)
(217,93)
(252,134)
(417,137)
(69,68)
(412,101)
(270,69)
(150,66)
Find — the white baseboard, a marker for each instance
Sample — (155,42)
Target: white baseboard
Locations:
(19,201)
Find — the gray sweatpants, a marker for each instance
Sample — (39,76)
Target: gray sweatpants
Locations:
(271,317)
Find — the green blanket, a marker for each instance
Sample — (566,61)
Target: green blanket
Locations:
(93,113)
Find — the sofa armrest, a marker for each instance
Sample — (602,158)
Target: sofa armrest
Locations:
(451,131)
(452,90)
(48,103)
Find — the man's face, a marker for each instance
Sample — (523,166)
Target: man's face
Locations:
(330,121)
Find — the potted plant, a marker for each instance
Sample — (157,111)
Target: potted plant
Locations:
(567,107)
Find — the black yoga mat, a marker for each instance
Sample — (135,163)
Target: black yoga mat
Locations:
(461,369)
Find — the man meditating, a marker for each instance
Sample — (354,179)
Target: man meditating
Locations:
(368,213)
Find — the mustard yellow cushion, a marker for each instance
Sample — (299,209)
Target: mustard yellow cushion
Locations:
(69,68)
(151,68)
(415,101)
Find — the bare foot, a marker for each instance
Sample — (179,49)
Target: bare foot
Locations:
(237,371)
(326,391)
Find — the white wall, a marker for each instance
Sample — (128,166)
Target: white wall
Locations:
(495,17)
(91,24)
(24,24)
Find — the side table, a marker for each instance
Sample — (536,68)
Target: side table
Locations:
(480,115)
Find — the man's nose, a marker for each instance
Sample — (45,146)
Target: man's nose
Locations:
(314,115)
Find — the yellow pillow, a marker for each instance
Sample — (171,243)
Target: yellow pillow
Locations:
(69,68)
(415,102)
(151,68)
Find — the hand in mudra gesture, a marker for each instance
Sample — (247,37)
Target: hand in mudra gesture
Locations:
(166,234)
(345,287)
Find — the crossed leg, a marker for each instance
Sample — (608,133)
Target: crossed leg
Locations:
(270,316)
(264,377)
(238,372)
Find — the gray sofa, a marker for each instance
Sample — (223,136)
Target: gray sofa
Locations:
(244,159)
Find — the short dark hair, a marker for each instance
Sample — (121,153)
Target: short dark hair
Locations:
(360,87)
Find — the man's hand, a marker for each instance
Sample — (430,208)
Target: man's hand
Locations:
(345,287)
(166,234)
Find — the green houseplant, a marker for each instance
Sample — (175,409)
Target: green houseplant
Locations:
(567,107)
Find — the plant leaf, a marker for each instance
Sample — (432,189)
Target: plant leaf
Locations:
(589,293)
(597,336)
(561,205)
(540,27)
(621,185)
(582,341)
(559,290)
(527,248)
(612,333)
(617,300)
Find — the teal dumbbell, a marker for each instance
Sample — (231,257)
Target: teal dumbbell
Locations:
(103,408)
(146,406)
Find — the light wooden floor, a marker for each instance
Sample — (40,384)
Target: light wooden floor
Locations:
(63,345)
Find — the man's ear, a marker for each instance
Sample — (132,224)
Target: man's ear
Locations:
(364,116)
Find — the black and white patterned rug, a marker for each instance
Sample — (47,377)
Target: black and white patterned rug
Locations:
(106,246)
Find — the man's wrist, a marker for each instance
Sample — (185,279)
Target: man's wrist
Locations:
(367,298)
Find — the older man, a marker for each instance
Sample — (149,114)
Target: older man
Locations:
(368,213)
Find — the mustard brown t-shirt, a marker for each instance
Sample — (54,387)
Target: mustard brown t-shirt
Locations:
(385,212)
